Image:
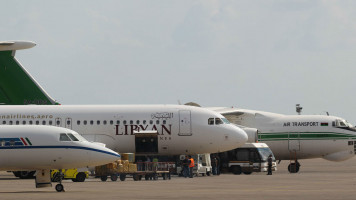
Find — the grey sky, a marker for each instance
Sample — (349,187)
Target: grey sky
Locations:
(264,55)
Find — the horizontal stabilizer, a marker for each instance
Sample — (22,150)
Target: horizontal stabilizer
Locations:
(15,45)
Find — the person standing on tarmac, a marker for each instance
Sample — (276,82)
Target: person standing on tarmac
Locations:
(269,160)
(214,164)
(185,164)
(191,166)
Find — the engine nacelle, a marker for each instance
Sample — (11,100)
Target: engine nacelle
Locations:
(339,156)
(252,134)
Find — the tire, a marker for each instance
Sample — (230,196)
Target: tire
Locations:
(80,177)
(164,176)
(73,179)
(59,188)
(247,173)
(236,170)
(208,173)
(113,177)
(147,177)
(135,177)
(122,177)
(103,178)
(293,167)
(155,177)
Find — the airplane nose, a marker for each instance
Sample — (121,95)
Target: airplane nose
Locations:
(242,135)
(239,136)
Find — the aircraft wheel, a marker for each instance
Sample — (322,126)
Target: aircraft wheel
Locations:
(80,177)
(113,177)
(104,178)
(59,188)
(236,170)
(293,167)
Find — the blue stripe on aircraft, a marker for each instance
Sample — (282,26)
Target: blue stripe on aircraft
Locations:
(58,147)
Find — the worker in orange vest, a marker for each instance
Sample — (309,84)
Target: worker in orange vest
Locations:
(191,165)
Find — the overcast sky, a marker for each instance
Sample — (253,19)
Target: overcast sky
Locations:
(263,55)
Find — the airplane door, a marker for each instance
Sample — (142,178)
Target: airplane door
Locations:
(58,122)
(294,142)
(185,127)
(68,123)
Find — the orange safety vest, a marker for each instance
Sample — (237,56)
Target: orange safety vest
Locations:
(191,162)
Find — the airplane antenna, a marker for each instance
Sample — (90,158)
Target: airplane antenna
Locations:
(327,113)
(298,108)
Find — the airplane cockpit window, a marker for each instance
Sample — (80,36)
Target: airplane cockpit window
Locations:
(218,121)
(64,137)
(343,124)
(80,138)
(72,137)
(211,121)
(225,121)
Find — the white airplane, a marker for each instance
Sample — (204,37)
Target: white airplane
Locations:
(42,148)
(153,129)
(294,137)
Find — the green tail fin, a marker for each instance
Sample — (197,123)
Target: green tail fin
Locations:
(17,87)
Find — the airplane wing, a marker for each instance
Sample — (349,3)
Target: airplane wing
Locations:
(17,86)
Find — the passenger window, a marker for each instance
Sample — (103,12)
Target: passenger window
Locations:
(30,122)
(78,122)
(118,122)
(37,122)
(98,122)
(68,122)
(138,122)
(50,122)
(3,122)
(43,122)
(131,122)
(72,137)
(10,122)
(157,121)
(91,122)
(104,122)
(17,122)
(151,121)
(144,121)
(85,122)
(124,122)
(64,137)
(164,121)
(111,122)
(211,121)
(218,121)
(23,122)
(58,122)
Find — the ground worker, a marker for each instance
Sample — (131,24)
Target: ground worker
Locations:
(269,160)
(191,166)
(214,164)
(185,164)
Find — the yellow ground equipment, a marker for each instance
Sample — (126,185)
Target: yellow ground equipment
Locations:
(70,174)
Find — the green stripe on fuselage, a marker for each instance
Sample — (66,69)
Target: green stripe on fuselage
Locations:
(304,136)
(16,87)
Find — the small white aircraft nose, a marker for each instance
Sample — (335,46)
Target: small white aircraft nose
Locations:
(240,136)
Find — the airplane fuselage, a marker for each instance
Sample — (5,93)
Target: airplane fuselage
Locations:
(161,129)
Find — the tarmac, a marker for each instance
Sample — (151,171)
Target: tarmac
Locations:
(317,179)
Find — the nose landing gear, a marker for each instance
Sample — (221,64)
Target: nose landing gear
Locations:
(58,177)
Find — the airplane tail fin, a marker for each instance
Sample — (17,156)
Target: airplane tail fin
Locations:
(17,86)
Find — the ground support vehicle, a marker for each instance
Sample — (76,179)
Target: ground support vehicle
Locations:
(73,174)
(202,165)
(252,157)
(146,170)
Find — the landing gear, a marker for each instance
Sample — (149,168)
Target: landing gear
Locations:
(58,177)
(294,167)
